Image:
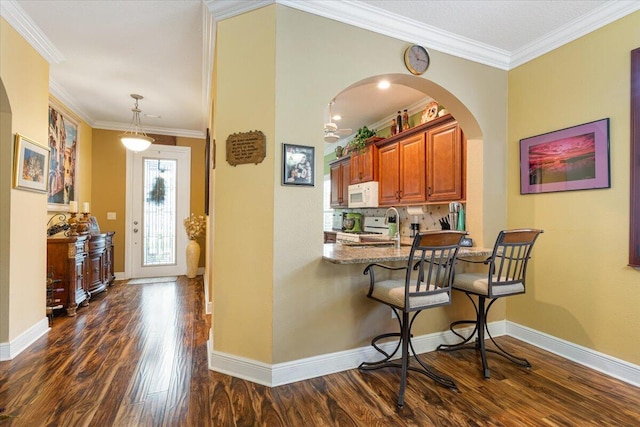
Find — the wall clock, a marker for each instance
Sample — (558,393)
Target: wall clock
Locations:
(416,58)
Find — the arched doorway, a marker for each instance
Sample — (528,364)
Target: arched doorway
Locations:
(6,157)
(381,105)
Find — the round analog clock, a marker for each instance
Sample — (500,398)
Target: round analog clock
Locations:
(416,58)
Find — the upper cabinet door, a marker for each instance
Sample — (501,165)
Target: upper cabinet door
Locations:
(364,165)
(445,174)
(389,175)
(412,170)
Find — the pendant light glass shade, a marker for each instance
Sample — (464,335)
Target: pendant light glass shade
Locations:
(135,139)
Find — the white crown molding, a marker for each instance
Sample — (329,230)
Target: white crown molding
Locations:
(370,18)
(599,17)
(11,11)
(223,9)
(123,127)
(69,101)
(208,57)
(362,15)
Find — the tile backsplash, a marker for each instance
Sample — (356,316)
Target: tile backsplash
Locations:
(428,219)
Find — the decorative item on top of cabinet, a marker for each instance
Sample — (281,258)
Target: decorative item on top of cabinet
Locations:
(340,175)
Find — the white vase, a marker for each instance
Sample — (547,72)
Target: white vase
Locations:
(193,257)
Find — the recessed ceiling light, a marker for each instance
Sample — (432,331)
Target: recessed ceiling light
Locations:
(383,84)
(337,117)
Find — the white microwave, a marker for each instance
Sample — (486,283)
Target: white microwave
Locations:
(363,195)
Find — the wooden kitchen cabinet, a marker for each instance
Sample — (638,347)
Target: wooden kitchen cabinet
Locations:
(445,167)
(340,178)
(364,165)
(66,266)
(422,165)
(402,176)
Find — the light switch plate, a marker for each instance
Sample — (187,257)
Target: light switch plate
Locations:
(111,215)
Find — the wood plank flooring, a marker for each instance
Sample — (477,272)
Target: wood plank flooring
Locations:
(137,356)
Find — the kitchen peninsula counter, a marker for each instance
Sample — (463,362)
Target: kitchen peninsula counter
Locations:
(338,253)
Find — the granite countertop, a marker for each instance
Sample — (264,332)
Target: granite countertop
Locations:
(338,253)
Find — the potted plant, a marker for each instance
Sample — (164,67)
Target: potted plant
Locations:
(359,141)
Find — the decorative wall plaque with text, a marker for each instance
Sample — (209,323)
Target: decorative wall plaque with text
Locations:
(246,147)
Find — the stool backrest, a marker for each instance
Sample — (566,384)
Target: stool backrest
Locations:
(508,262)
(431,263)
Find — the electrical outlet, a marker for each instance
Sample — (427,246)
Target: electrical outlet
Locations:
(111,215)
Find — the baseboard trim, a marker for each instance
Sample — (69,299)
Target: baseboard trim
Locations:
(311,367)
(13,348)
(617,368)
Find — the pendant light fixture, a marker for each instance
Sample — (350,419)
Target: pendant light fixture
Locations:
(135,139)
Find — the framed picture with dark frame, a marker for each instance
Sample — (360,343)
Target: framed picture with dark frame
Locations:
(63,162)
(31,165)
(575,158)
(298,165)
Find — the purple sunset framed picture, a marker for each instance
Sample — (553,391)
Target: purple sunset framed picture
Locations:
(575,158)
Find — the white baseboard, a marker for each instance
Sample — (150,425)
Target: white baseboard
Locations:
(120,275)
(208,304)
(311,367)
(11,349)
(316,366)
(617,368)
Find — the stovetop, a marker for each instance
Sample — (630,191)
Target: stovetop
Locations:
(374,226)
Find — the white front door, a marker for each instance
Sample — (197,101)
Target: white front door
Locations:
(158,201)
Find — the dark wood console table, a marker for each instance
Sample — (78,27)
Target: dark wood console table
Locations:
(80,266)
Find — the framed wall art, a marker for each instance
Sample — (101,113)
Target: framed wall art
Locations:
(63,162)
(298,165)
(31,164)
(575,158)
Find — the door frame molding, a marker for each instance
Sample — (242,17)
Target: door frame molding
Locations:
(128,226)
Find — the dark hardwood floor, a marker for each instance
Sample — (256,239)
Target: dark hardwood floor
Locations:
(137,356)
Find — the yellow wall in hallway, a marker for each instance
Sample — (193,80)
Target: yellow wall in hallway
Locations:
(243,195)
(25,76)
(582,290)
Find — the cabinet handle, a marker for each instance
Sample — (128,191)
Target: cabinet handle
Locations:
(429,191)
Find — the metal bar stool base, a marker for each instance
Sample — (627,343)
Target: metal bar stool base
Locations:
(480,344)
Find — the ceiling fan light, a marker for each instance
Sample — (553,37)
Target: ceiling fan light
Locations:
(135,139)
(331,137)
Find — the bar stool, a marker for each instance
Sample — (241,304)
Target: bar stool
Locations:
(506,276)
(426,284)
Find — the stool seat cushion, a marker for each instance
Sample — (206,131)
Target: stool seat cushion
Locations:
(392,292)
(478,283)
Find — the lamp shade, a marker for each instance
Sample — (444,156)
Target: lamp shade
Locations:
(136,142)
(135,139)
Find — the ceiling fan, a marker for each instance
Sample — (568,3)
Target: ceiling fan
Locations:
(331,131)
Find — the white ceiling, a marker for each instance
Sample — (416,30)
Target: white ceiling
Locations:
(102,51)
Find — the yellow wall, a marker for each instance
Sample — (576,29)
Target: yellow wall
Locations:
(108,189)
(582,290)
(25,76)
(244,195)
(268,237)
